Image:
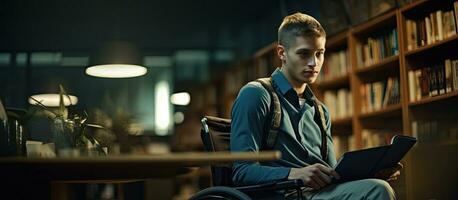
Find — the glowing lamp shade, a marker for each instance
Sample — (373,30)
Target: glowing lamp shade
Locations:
(182,98)
(116,70)
(116,59)
(52,100)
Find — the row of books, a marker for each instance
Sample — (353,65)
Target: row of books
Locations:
(434,130)
(380,94)
(436,26)
(336,64)
(343,143)
(433,80)
(339,103)
(376,137)
(375,49)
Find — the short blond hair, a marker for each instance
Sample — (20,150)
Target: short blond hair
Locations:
(298,24)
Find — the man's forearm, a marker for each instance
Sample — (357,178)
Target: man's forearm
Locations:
(249,173)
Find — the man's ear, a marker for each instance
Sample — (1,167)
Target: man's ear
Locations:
(281,52)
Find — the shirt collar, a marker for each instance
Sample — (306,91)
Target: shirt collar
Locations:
(280,81)
(284,86)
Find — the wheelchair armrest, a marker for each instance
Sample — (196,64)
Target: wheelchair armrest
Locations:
(280,185)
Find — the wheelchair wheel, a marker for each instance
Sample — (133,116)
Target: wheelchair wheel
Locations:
(220,192)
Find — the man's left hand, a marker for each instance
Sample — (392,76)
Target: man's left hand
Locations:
(390,174)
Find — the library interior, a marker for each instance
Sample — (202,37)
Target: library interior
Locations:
(118,99)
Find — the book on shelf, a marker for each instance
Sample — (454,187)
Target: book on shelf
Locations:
(340,143)
(448,76)
(431,28)
(375,137)
(343,143)
(440,25)
(433,83)
(440,79)
(433,80)
(413,85)
(336,64)
(438,130)
(455,9)
(450,23)
(339,103)
(377,47)
(455,74)
(411,29)
(429,39)
(380,94)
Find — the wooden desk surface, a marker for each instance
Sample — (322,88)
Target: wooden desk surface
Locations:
(119,167)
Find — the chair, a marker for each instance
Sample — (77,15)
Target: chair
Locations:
(215,134)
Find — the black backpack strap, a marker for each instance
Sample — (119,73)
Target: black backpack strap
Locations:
(272,126)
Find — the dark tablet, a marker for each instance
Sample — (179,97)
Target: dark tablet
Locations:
(362,164)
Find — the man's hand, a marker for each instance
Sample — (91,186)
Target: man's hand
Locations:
(315,176)
(390,174)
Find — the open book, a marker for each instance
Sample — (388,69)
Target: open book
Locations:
(362,164)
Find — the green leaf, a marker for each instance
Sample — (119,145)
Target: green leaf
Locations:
(61,101)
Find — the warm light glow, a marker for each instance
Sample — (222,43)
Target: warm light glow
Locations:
(182,98)
(116,70)
(52,100)
(162,108)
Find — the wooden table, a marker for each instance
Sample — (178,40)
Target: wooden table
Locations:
(38,173)
(119,167)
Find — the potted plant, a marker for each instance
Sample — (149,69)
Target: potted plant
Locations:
(70,134)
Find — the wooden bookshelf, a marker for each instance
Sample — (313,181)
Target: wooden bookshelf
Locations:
(387,64)
(265,61)
(414,5)
(385,68)
(419,7)
(447,143)
(397,117)
(435,99)
(389,111)
(346,121)
(334,83)
(337,40)
(266,50)
(384,20)
(453,41)
(342,127)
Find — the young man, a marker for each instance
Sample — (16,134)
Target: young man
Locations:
(301,47)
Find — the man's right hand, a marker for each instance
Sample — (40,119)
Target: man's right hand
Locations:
(315,176)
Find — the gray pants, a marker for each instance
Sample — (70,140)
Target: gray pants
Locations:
(366,189)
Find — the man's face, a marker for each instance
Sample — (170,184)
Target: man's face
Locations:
(303,60)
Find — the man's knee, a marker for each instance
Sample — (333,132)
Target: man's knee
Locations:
(379,189)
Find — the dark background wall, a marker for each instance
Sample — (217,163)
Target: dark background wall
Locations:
(159,28)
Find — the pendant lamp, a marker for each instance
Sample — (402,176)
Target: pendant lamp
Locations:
(116,59)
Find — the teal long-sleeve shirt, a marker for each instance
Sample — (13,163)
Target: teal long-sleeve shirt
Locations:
(249,113)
